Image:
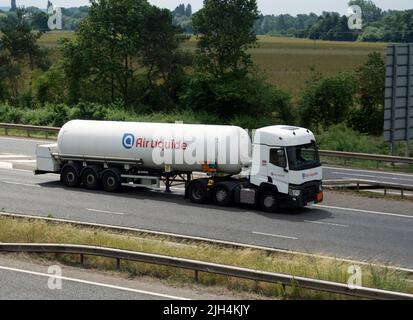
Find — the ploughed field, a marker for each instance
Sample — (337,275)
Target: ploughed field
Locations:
(287,62)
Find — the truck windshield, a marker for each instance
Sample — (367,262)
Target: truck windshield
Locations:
(303,157)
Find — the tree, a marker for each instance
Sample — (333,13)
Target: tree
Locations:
(225,32)
(179,11)
(231,96)
(108,42)
(20,40)
(125,50)
(164,61)
(331,26)
(13,6)
(39,21)
(327,100)
(19,50)
(188,10)
(369,116)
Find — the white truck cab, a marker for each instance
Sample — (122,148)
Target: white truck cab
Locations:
(287,158)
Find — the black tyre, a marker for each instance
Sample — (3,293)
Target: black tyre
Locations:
(221,196)
(111,180)
(91,178)
(70,176)
(269,201)
(198,193)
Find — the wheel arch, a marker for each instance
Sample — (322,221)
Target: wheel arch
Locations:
(203,182)
(267,186)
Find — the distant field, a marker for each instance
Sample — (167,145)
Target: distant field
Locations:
(285,61)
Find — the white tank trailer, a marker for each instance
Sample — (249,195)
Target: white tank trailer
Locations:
(217,164)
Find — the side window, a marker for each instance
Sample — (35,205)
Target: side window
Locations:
(277,158)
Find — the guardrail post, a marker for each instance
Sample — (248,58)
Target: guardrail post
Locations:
(358,187)
(196,276)
(402,193)
(6,131)
(47,134)
(82,259)
(28,133)
(117,264)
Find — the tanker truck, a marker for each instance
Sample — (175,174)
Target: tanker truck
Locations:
(214,164)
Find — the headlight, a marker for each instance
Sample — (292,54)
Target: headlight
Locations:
(295,193)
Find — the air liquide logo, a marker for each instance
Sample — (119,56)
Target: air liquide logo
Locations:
(310,175)
(128,140)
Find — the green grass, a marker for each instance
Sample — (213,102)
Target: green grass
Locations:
(286,62)
(13,230)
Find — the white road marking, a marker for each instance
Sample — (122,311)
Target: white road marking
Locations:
(13,156)
(6,165)
(98,284)
(10,168)
(104,211)
(370,176)
(23,161)
(328,223)
(21,184)
(274,235)
(370,171)
(363,211)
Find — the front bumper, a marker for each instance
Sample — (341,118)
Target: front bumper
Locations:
(310,193)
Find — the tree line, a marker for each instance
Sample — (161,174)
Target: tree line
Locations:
(126,62)
(378,25)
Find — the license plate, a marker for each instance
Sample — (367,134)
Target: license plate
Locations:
(310,203)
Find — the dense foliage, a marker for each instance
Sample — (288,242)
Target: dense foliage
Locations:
(126,63)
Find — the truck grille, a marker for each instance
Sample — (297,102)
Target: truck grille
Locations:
(309,194)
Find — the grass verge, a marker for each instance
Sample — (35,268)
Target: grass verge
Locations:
(22,230)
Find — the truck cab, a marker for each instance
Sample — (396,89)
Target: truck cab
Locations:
(286,160)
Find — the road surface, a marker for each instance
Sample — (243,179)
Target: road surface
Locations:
(23,279)
(345,226)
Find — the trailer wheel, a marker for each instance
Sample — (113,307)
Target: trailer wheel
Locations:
(70,176)
(222,196)
(197,193)
(111,180)
(269,201)
(91,178)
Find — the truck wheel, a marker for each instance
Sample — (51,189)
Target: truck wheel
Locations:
(70,176)
(221,196)
(111,181)
(269,201)
(90,178)
(197,193)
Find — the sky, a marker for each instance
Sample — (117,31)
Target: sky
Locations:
(292,7)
